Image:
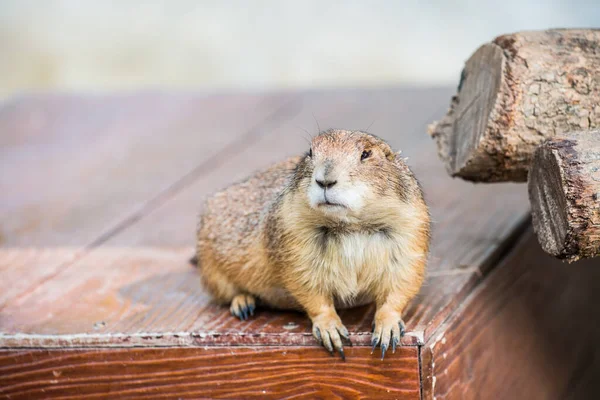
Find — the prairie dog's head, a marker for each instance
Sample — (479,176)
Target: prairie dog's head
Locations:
(345,173)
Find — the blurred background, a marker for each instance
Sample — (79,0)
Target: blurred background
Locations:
(85,45)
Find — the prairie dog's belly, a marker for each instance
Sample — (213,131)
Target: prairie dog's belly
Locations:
(279,297)
(360,300)
(353,268)
(282,299)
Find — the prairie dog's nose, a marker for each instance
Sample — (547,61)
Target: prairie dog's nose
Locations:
(325,184)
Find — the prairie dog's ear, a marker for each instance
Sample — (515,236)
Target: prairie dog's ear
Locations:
(387,150)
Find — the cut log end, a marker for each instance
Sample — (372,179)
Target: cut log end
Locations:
(564,187)
(459,134)
(480,82)
(548,202)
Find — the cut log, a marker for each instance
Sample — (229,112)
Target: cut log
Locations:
(564,187)
(514,93)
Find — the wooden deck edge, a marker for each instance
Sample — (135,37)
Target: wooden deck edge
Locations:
(178,339)
(242,372)
(431,338)
(493,259)
(508,340)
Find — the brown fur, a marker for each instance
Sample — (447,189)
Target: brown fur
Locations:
(262,239)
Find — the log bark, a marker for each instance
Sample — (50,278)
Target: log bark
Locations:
(514,93)
(564,190)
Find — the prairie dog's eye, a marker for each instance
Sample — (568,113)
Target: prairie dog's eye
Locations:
(365,154)
(310,152)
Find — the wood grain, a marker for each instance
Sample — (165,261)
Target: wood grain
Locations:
(22,265)
(75,166)
(77,169)
(529,331)
(258,372)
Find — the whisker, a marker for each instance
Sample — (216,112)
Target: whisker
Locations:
(370,125)
(309,141)
(318,127)
(304,130)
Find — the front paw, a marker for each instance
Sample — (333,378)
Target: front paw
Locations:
(329,331)
(243,306)
(388,327)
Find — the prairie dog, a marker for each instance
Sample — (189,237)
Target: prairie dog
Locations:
(343,225)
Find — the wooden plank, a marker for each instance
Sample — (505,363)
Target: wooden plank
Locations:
(170,309)
(258,372)
(24,266)
(75,169)
(148,297)
(529,331)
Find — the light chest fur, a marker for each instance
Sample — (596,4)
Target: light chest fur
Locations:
(353,267)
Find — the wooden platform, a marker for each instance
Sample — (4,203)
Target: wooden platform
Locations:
(98,205)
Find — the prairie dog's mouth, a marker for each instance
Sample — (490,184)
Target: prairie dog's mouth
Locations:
(328,203)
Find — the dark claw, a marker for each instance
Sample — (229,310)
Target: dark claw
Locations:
(319,338)
(373,327)
(374,343)
(251,308)
(345,334)
(395,342)
(402,328)
(342,354)
(384,347)
(245,313)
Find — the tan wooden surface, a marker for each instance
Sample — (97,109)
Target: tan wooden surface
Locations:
(102,198)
